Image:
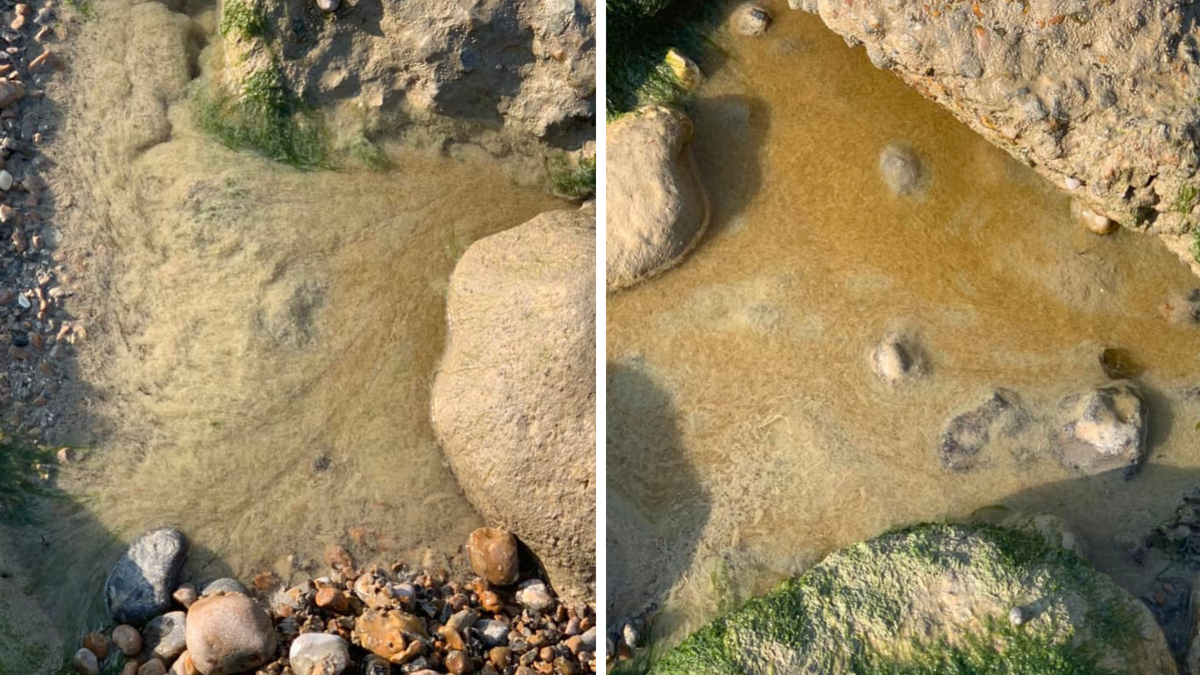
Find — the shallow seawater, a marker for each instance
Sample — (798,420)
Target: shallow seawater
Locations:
(748,436)
(261,340)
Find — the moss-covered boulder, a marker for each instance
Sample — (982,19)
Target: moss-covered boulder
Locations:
(935,599)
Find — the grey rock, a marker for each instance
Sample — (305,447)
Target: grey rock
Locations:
(376,665)
(139,585)
(998,418)
(493,633)
(462,619)
(165,637)
(589,640)
(319,654)
(1102,430)
(225,585)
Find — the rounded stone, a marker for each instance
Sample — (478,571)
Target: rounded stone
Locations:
(535,595)
(229,634)
(319,654)
(127,639)
(165,637)
(494,555)
(85,663)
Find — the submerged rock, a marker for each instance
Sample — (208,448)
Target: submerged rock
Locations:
(902,169)
(750,20)
(1098,98)
(139,586)
(229,634)
(514,398)
(935,595)
(897,359)
(224,585)
(1102,430)
(85,663)
(999,419)
(657,207)
(127,639)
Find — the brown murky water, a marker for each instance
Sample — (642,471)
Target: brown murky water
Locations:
(748,436)
(261,340)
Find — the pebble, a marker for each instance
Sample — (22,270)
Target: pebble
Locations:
(127,639)
(185,595)
(229,634)
(319,654)
(332,600)
(535,595)
(225,585)
(329,5)
(458,663)
(495,633)
(97,643)
(1018,616)
(165,637)
(494,555)
(6,180)
(85,663)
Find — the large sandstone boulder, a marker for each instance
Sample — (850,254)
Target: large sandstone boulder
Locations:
(1100,97)
(657,207)
(140,584)
(935,598)
(229,634)
(514,398)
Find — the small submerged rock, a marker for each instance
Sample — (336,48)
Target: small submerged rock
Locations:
(750,20)
(139,586)
(897,359)
(902,169)
(1095,222)
(1103,429)
(225,585)
(329,5)
(127,639)
(1000,417)
(1183,307)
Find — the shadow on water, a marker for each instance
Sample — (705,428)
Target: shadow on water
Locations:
(746,120)
(657,506)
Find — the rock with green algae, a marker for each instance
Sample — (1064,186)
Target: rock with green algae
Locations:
(935,599)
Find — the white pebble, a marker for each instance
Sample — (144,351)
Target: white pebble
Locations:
(6,180)
(1072,183)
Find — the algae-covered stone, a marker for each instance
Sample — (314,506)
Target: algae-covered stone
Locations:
(935,599)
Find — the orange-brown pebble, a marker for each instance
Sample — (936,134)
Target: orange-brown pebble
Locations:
(499,657)
(546,654)
(575,644)
(131,668)
(453,638)
(97,643)
(490,601)
(493,555)
(459,663)
(332,600)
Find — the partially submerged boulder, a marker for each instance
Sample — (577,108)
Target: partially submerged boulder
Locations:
(1102,429)
(514,398)
(657,207)
(140,584)
(927,599)
(1100,98)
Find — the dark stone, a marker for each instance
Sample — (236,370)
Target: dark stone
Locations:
(139,586)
